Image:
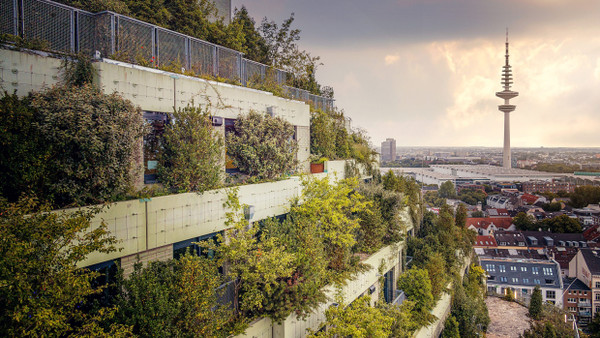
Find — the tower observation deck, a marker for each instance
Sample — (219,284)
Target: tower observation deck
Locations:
(506,108)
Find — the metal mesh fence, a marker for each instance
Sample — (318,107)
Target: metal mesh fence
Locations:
(228,64)
(86,28)
(254,72)
(8,17)
(104,34)
(202,57)
(135,41)
(172,49)
(66,29)
(51,25)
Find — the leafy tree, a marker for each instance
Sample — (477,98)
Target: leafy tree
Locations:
(461,216)
(406,321)
(535,304)
(433,199)
(552,207)
(451,328)
(477,213)
(331,208)
(254,264)
(255,46)
(447,190)
(551,325)
(561,224)
(436,269)
(284,53)
(524,221)
(321,134)
(190,159)
(262,145)
(358,319)
(594,326)
(417,286)
(510,296)
(472,196)
(584,195)
(43,291)
(468,304)
(174,298)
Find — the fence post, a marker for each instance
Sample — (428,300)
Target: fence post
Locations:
(155,46)
(114,31)
(188,54)
(215,61)
(15,18)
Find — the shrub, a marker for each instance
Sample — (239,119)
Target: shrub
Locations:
(191,156)
(85,145)
(262,145)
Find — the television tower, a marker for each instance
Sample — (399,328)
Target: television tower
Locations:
(506,94)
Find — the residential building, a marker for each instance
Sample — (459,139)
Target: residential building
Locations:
(585,266)
(522,275)
(488,225)
(485,242)
(512,239)
(577,300)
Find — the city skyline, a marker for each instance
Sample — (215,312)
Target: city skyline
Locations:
(425,72)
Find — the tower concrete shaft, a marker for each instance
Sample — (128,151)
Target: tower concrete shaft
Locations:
(506,108)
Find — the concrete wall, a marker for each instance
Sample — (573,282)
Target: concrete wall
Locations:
(142,225)
(160,91)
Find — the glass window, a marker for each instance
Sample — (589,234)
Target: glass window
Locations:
(515,280)
(571,300)
(550,294)
(157,122)
(525,280)
(524,268)
(548,271)
(502,268)
(513,268)
(490,267)
(535,270)
(598,296)
(536,281)
(503,279)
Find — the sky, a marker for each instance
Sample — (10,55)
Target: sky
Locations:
(425,72)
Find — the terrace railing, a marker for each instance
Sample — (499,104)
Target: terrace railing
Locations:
(66,29)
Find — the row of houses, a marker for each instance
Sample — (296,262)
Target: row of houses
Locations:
(566,266)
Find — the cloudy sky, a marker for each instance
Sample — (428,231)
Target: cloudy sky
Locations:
(425,71)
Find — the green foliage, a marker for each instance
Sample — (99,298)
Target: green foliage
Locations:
(254,264)
(437,271)
(331,208)
(468,303)
(255,45)
(524,221)
(551,325)
(406,320)
(535,304)
(43,291)
(433,199)
(417,286)
(460,218)
(451,328)
(509,296)
(261,145)
(79,146)
(176,298)
(447,190)
(472,196)
(381,224)
(358,319)
(78,72)
(408,187)
(594,326)
(283,52)
(477,213)
(191,156)
(558,224)
(584,195)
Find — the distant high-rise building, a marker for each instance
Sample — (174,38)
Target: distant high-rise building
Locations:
(506,94)
(388,150)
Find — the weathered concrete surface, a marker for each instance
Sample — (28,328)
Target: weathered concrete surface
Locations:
(508,319)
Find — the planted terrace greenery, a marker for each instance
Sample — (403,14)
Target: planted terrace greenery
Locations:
(277,268)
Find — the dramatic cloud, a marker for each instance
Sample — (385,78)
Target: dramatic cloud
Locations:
(426,71)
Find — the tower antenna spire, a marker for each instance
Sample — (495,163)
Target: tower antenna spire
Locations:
(506,108)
